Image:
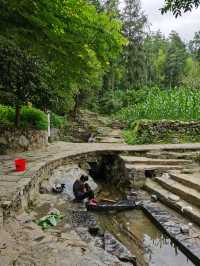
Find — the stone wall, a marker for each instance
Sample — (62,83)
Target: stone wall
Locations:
(13,139)
(165,131)
(56,134)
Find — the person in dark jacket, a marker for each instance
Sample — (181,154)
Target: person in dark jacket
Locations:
(82,190)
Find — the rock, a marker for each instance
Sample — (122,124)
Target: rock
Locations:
(173,198)
(45,187)
(24,218)
(185,229)
(165,175)
(187,209)
(114,247)
(23,141)
(99,242)
(93,230)
(6,204)
(154,198)
(1,219)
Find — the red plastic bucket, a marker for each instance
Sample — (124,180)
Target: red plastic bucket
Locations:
(20,165)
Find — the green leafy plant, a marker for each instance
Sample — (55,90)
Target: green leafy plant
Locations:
(33,118)
(30,117)
(7,115)
(57,121)
(175,104)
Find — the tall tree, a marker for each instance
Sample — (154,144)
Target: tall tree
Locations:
(134,23)
(194,46)
(175,60)
(155,46)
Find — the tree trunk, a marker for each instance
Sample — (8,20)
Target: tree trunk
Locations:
(17,115)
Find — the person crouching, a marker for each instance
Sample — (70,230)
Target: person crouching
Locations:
(82,190)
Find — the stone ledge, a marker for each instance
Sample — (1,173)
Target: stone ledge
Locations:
(171,226)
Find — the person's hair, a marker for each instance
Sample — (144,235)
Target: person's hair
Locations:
(84,178)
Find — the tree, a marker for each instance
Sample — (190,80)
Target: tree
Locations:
(134,57)
(70,35)
(191,79)
(179,6)
(175,60)
(194,46)
(155,46)
(21,78)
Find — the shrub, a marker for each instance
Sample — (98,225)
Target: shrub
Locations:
(57,121)
(7,115)
(29,118)
(33,118)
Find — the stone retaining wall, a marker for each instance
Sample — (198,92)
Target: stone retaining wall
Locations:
(13,139)
(166,131)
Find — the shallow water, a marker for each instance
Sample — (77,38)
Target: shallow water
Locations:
(143,239)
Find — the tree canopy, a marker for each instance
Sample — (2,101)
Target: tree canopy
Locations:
(180,6)
(75,40)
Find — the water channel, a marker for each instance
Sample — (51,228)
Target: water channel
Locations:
(135,230)
(138,233)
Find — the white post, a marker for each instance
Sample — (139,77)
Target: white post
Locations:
(49,123)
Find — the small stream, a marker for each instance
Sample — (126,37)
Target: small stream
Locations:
(143,239)
(138,233)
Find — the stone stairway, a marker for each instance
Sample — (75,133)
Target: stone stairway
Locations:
(173,176)
(173,155)
(137,169)
(178,190)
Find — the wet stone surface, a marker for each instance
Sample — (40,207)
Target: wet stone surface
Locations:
(188,241)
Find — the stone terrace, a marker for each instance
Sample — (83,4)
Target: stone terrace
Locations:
(17,189)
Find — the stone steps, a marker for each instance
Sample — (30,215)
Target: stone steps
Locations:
(189,194)
(172,155)
(155,167)
(170,199)
(152,161)
(189,180)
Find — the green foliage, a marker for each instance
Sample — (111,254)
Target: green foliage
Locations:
(20,79)
(75,42)
(175,104)
(192,77)
(179,6)
(30,117)
(194,46)
(57,121)
(33,118)
(7,115)
(175,60)
(134,22)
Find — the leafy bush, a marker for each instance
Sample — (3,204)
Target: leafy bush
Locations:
(33,118)
(7,115)
(29,118)
(57,121)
